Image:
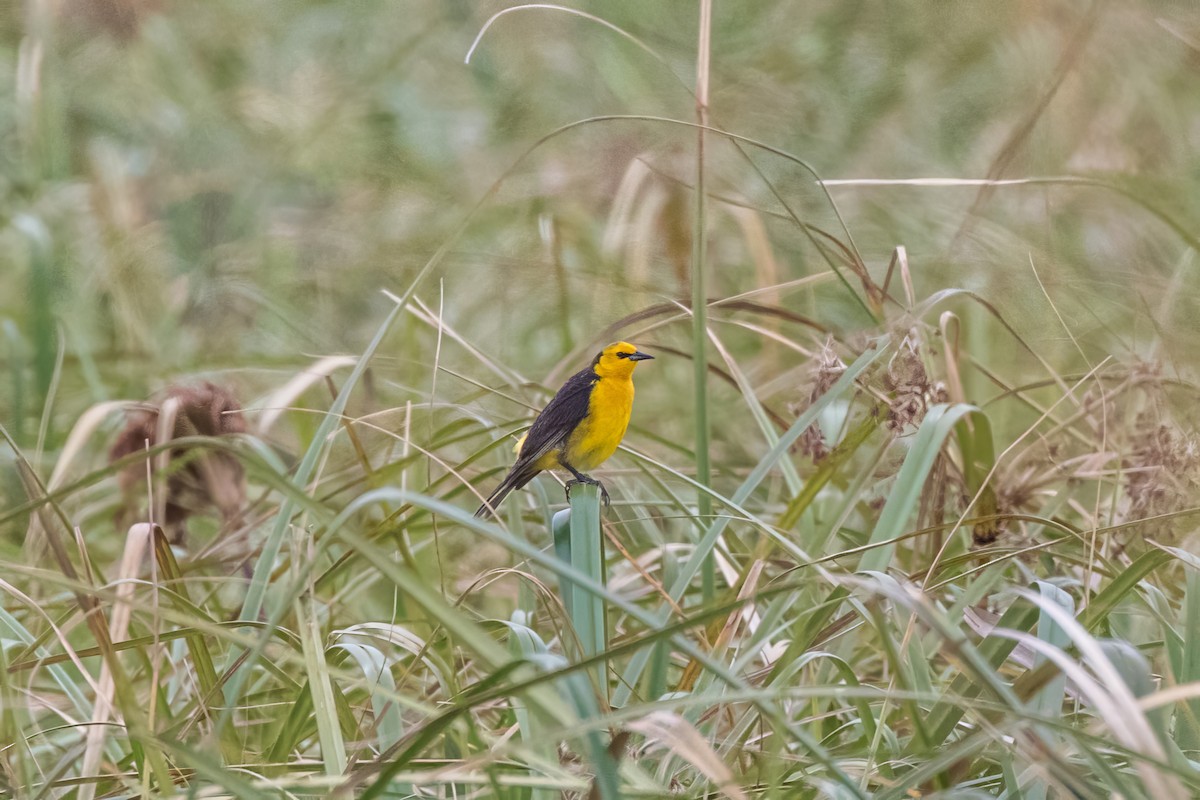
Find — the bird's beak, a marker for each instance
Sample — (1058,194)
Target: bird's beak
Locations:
(638,355)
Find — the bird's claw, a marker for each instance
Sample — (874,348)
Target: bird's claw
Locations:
(591,482)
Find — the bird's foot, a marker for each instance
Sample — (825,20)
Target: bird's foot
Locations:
(591,482)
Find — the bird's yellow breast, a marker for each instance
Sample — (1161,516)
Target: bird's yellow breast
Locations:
(601,431)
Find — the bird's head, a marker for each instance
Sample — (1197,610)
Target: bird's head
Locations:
(618,360)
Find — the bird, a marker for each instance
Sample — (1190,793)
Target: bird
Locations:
(580,427)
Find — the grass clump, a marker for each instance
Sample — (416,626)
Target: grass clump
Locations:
(917,520)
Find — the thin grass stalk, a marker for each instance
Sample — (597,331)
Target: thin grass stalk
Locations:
(939,422)
(523,642)
(16,362)
(700,291)
(14,721)
(134,554)
(40,283)
(1187,719)
(678,584)
(151,760)
(202,660)
(1049,700)
(333,747)
(255,595)
(260,580)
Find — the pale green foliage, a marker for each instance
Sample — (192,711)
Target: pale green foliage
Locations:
(954,486)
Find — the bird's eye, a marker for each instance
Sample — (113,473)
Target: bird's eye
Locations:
(622,355)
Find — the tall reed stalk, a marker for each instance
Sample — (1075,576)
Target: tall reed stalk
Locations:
(699,288)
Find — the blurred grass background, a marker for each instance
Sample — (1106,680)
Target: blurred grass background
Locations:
(221,190)
(218,186)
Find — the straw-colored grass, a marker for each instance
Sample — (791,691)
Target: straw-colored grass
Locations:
(908,505)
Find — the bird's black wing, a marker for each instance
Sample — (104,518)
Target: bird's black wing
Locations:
(559,418)
(549,431)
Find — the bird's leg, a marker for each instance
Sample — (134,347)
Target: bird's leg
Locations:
(581,478)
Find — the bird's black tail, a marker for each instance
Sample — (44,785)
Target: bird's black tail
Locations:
(516,478)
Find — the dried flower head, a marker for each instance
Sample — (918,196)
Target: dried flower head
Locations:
(909,386)
(824,371)
(1162,472)
(199,479)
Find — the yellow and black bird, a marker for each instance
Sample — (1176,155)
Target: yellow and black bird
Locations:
(580,428)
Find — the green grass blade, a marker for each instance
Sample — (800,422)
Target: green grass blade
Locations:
(524,643)
(679,584)
(16,371)
(333,746)
(1187,720)
(902,501)
(19,758)
(377,674)
(255,595)
(586,549)
(830,466)
(202,661)
(1049,700)
(699,275)
(944,716)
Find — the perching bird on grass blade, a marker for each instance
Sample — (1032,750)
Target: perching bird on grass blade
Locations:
(580,428)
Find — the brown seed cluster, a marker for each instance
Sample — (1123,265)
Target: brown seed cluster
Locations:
(910,390)
(1162,472)
(824,371)
(199,479)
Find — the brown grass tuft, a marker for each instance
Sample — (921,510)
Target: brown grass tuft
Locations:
(198,479)
(1162,470)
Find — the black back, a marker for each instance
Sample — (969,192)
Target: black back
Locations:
(559,418)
